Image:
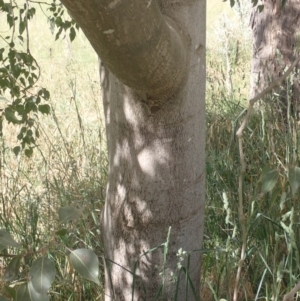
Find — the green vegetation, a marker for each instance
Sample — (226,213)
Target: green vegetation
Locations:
(69,167)
(270,186)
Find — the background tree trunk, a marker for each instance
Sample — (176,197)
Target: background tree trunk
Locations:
(155,144)
(276,42)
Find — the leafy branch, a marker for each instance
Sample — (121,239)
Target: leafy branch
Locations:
(42,272)
(20,72)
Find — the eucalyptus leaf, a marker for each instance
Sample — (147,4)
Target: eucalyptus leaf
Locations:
(7,241)
(61,232)
(10,116)
(11,291)
(28,152)
(86,263)
(260,8)
(45,109)
(16,150)
(69,213)
(72,34)
(36,296)
(269,179)
(42,274)
(22,293)
(12,270)
(294,178)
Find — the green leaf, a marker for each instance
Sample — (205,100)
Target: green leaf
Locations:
(58,33)
(46,94)
(16,70)
(42,273)
(29,152)
(61,232)
(22,80)
(86,263)
(58,21)
(7,241)
(72,34)
(22,293)
(3,299)
(17,150)
(31,13)
(22,26)
(69,213)
(269,178)
(20,109)
(12,270)
(36,296)
(45,109)
(66,25)
(30,122)
(294,178)
(10,116)
(260,8)
(10,20)
(26,292)
(30,106)
(11,291)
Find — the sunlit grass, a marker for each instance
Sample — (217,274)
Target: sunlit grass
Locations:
(69,166)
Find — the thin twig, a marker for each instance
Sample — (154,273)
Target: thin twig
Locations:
(242,218)
(42,2)
(260,95)
(14,23)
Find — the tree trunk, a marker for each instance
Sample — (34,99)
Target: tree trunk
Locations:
(152,74)
(276,42)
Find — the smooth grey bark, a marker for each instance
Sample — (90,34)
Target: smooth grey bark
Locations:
(155,124)
(276,43)
(139,46)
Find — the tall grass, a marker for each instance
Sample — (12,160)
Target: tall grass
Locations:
(270,142)
(69,164)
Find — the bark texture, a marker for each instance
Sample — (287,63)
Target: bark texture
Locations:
(139,46)
(276,44)
(156,141)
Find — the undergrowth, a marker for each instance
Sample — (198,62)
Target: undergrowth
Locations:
(69,167)
(270,188)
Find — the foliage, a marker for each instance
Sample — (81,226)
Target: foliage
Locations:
(20,72)
(40,276)
(270,188)
(68,168)
(254,3)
